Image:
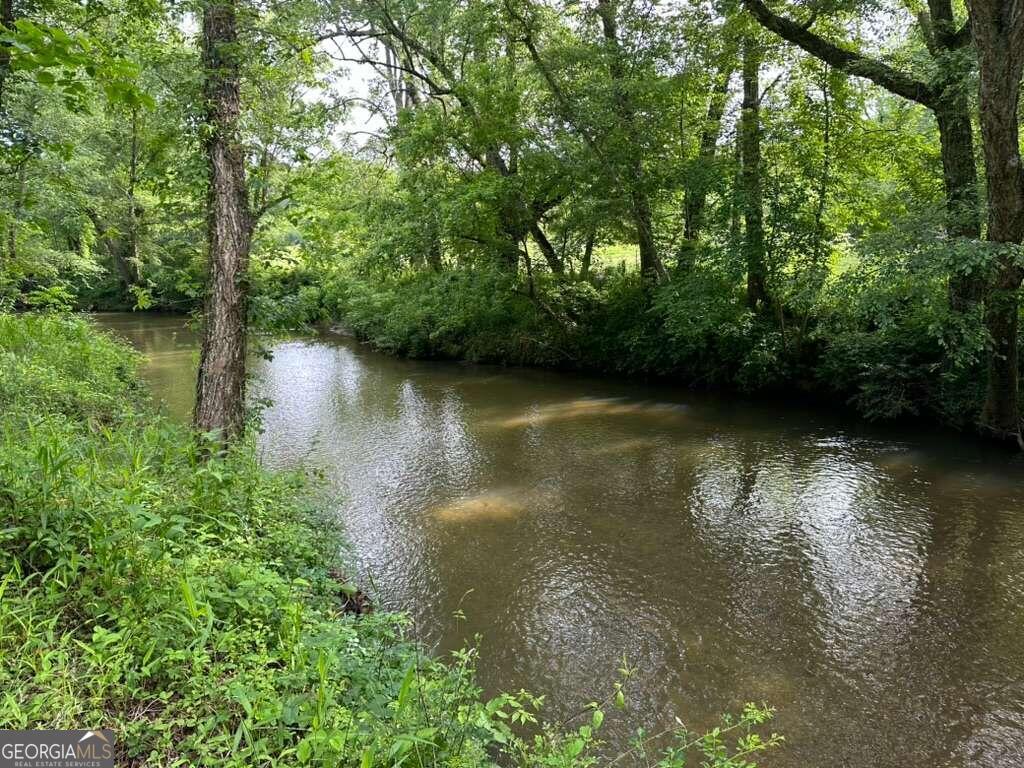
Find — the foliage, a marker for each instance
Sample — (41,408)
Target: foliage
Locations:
(889,344)
(520,150)
(192,604)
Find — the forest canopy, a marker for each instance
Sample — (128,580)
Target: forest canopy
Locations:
(818,197)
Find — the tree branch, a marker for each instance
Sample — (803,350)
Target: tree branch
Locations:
(851,62)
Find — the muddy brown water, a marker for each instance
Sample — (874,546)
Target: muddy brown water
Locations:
(868,583)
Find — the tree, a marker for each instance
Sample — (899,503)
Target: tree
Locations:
(944,93)
(750,176)
(651,267)
(220,385)
(471,104)
(998,27)
(695,195)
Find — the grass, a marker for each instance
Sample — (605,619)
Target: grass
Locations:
(617,255)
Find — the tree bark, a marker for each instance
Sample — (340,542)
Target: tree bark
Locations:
(220,386)
(956,139)
(548,250)
(134,212)
(750,178)
(826,168)
(588,253)
(960,174)
(998,27)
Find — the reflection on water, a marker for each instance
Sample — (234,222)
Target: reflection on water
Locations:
(585,407)
(485,507)
(869,584)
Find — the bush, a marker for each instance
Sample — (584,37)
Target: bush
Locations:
(613,325)
(53,364)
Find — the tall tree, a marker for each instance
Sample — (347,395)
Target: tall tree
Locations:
(696,193)
(998,27)
(220,386)
(475,68)
(750,176)
(651,266)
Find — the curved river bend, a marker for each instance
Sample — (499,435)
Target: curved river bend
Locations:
(867,583)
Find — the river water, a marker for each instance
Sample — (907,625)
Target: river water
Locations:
(868,583)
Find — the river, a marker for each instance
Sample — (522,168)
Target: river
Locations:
(867,582)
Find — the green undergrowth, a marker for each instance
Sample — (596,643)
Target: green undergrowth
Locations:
(194,604)
(889,348)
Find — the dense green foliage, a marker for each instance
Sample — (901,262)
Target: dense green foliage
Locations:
(526,160)
(890,347)
(190,602)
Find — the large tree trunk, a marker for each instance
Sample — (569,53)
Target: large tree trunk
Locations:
(960,176)
(998,27)
(220,387)
(750,178)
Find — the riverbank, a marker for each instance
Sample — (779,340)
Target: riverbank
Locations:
(191,606)
(919,362)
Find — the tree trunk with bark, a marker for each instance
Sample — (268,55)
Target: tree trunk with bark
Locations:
(547,249)
(818,248)
(963,216)
(956,139)
(134,210)
(998,27)
(220,387)
(588,253)
(750,178)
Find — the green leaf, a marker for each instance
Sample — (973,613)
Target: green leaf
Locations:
(403,692)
